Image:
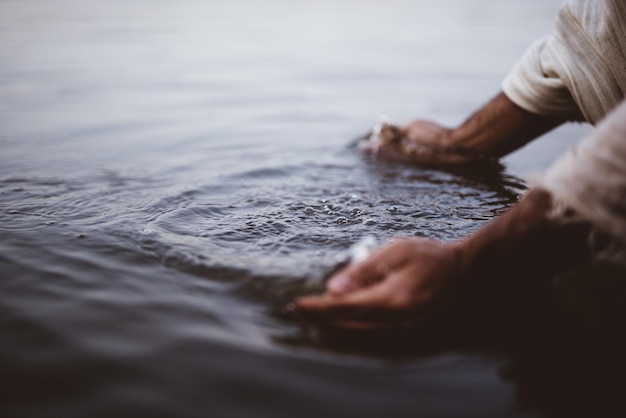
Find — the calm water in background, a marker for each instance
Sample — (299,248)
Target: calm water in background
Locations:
(172,172)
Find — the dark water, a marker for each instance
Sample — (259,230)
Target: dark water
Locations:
(173,173)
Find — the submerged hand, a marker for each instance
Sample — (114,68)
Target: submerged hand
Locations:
(397,285)
(420,141)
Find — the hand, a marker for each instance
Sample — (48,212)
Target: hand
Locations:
(396,286)
(420,141)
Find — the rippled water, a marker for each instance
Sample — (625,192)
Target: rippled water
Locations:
(173,173)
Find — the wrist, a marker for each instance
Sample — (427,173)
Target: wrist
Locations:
(524,242)
(461,259)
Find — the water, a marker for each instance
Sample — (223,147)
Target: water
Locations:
(173,173)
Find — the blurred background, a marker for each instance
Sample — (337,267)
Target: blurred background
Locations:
(119,79)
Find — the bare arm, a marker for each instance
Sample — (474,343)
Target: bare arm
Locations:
(408,278)
(493,131)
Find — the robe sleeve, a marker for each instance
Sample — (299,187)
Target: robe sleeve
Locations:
(579,69)
(535,84)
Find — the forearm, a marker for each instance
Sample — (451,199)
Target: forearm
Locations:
(500,127)
(525,242)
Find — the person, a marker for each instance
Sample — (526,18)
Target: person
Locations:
(574,215)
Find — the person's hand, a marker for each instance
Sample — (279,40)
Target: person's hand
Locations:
(420,141)
(398,285)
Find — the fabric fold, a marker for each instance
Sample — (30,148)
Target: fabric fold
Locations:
(580,69)
(591,177)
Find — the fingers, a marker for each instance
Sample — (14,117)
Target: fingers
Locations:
(355,305)
(354,315)
(390,134)
(361,309)
(372,270)
(382,135)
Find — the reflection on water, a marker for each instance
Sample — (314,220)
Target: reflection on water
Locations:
(173,173)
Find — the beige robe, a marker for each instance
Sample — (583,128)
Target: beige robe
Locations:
(580,69)
(591,178)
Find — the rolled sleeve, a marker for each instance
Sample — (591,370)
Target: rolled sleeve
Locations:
(535,85)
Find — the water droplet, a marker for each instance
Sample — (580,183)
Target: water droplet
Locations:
(309,210)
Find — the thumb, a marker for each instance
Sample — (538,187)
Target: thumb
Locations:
(373,269)
(343,282)
(354,277)
(358,275)
(390,134)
